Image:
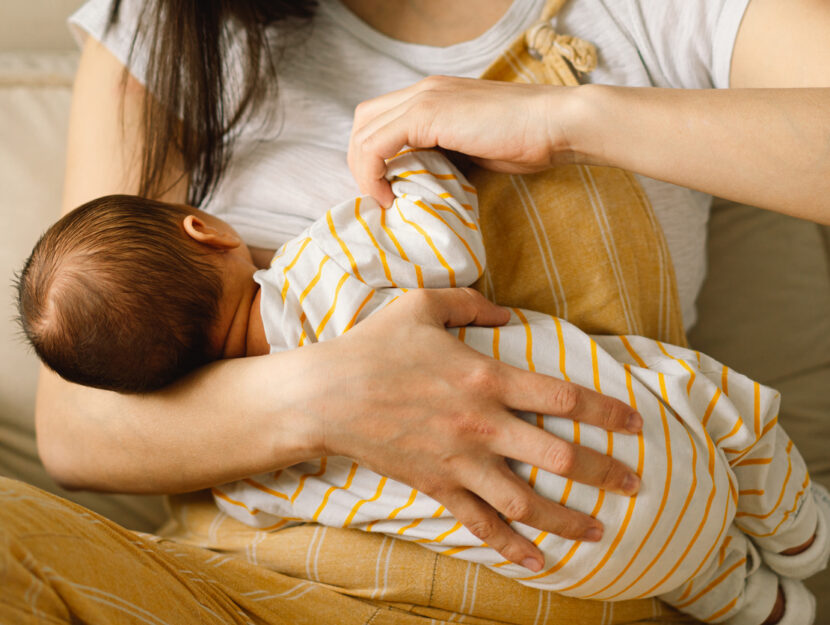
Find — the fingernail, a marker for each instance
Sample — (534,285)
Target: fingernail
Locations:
(593,534)
(533,564)
(631,484)
(634,423)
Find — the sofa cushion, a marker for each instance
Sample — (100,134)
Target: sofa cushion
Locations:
(34,111)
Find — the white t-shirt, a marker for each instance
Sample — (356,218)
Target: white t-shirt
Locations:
(272,189)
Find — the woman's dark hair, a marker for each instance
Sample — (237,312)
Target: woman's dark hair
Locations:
(189,105)
(116,295)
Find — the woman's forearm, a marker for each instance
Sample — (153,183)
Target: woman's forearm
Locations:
(766,143)
(231,419)
(764,147)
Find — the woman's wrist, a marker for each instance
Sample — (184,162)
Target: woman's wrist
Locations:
(578,124)
(704,139)
(308,402)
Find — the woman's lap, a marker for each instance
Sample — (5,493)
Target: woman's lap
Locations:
(61,562)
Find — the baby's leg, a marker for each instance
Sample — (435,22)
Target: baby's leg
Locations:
(777,512)
(652,543)
(737,587)
(777,507)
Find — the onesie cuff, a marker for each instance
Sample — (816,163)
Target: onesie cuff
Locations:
(814,558)
(758,598)
(799,603)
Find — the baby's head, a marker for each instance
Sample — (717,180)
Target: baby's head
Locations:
(118,295)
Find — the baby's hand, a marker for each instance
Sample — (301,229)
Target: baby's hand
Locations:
(778,609)
(792,551)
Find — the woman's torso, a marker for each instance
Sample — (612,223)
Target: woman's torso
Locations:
(289,162)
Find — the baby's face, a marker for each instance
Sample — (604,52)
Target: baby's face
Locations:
(233,259)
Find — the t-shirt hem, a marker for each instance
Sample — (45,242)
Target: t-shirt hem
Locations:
(723,43)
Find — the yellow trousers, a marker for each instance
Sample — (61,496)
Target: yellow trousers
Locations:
(60,563)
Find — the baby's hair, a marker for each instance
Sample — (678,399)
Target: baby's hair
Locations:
(116,295)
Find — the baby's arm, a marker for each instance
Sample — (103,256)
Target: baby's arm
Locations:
(360,256)
(777,506)
(429,237)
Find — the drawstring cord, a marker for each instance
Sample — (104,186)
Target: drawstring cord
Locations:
(555,51)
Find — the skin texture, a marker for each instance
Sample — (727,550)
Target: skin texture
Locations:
(428,22)
(232,413)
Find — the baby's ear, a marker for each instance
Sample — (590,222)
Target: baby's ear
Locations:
(202,232)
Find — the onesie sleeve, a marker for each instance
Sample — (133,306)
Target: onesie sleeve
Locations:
(360,256)
(428,238)
(685,45)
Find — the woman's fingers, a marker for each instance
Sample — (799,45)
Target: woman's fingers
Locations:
(512,127)
(454,308)
(485,524)
(517,389)
(534,392)
(522,441)
(504,497)
(379,133)
(514,499)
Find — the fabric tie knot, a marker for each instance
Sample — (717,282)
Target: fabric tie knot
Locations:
(545,44)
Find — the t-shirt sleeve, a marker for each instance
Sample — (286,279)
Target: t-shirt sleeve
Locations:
(685,44)
(91,20)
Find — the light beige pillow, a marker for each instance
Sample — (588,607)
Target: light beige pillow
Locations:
(34,110)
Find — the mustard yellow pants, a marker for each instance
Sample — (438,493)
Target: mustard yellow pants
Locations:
(60,563)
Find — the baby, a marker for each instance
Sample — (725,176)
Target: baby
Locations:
(130,294)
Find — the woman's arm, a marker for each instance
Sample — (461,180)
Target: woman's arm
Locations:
(100,440)
(377,395)
(765,143)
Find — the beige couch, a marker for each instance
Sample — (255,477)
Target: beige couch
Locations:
(34,109)
(765,308)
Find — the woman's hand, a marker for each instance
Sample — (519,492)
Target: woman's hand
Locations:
(726,142)
(509,127)
(412,402)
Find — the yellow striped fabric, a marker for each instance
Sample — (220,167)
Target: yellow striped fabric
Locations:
(60,563)
(664,541)
(576,241)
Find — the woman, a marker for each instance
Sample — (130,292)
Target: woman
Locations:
(701,139)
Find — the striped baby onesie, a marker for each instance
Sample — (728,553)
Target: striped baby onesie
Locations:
(723,490)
